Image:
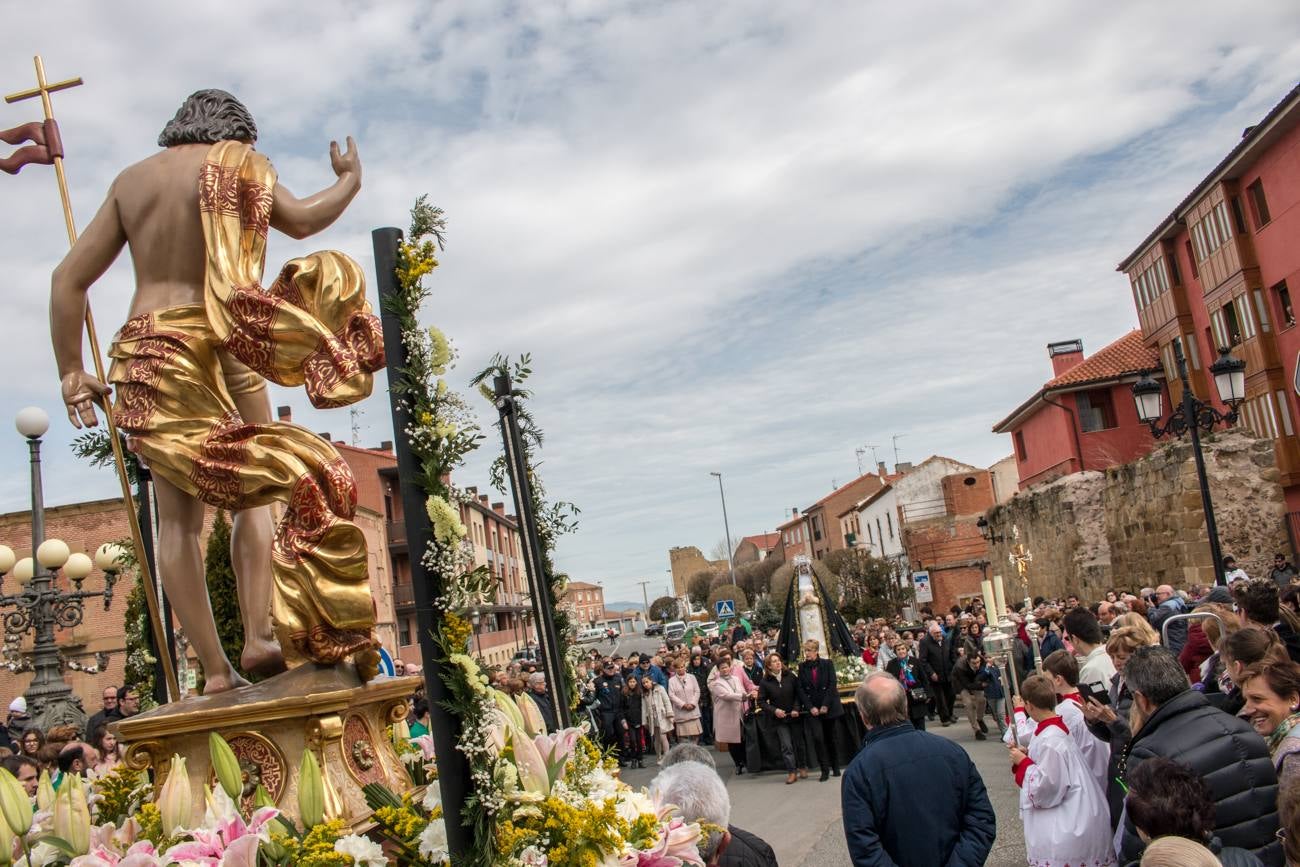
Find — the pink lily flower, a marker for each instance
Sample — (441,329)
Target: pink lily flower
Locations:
(231,842)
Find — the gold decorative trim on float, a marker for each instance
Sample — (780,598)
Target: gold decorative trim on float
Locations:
(269,725)
(260,762)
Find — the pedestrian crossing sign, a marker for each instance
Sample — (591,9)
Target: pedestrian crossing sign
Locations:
(726,608)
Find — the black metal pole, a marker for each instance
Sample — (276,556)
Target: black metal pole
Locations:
(426,584)
(534,568)
(1190,412)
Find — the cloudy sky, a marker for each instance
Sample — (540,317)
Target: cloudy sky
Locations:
(736,237)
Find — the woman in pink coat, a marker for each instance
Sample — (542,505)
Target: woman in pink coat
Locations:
(727,686)
(684,693)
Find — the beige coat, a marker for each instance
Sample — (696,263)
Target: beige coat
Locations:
(657,711)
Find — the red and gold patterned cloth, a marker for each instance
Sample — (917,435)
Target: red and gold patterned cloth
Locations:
(313,327)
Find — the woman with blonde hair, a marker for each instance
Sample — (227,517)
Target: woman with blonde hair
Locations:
(1138,622)
(1178,852)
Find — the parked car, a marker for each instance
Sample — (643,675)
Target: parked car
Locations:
(709,629)
(674,630)
(654,629)
(527,654)
(591,636)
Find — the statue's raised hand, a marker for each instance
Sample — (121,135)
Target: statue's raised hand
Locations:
(81,392)
(348,162)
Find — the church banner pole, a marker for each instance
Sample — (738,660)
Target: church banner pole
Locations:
(426,584)
(534,564)
(48,150)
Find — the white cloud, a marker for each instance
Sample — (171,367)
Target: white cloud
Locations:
(734,237)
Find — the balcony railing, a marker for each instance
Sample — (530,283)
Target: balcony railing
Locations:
(396,532)
(403,594)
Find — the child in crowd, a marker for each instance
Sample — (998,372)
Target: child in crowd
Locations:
(1061,669)
(1062,806)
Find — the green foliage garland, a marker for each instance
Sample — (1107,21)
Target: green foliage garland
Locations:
(554,519)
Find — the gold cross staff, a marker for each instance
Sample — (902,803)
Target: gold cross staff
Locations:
(43,89)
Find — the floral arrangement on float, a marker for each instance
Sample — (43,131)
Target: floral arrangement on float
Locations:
(850,671)
(118,819)
(537,799)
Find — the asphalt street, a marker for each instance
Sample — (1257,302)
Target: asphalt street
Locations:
(804,822)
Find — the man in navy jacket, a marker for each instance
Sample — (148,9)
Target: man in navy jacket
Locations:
(910,798)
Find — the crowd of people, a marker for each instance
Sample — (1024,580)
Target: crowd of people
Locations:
(26,750)
(1136,737)
(711,692)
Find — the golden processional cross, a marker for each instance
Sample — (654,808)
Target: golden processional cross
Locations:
(47,149)
(1020,558)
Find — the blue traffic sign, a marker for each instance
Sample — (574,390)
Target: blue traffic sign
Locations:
(386,663)
(726,608)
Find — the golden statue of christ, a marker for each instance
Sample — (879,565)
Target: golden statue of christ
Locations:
(188,373)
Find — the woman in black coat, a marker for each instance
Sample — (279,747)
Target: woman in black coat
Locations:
(912,673)
(778,696)
(630,722)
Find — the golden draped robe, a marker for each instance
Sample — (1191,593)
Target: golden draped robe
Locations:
(312,327)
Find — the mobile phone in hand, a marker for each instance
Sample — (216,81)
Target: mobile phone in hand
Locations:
(1088,691)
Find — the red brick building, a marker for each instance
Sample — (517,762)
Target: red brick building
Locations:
(1084,417)
(504,626)
(586,603)
(949,545)
(84,526)
(753,549)
(817,530)
(1221,270)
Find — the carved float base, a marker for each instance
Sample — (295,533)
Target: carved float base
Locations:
(323,708)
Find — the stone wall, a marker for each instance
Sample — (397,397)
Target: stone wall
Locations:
(1142,524)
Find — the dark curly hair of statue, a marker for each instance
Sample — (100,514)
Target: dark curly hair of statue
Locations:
(207,117)
(1166,798)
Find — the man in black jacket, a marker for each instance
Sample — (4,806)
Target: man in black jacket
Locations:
(934,658)
(1178,723)
(911,798)
(819,693)
(699,669)
(609,691)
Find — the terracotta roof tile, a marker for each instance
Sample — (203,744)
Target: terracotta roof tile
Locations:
(1124,357)
(763,542)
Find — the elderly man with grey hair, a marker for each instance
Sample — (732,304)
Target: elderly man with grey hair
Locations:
(911,798)
(546,707)
(1176,722)
(699,795)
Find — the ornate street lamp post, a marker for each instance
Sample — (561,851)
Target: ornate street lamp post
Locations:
(1192,416)
(39,606)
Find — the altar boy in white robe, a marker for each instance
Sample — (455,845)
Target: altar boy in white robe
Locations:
(1062,669)
(1064,811)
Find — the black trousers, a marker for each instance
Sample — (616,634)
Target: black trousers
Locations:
(706,723)
(609,734)
(821,729)
(737,752)
(942,698)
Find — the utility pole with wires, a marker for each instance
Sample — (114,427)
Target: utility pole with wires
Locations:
(645,599)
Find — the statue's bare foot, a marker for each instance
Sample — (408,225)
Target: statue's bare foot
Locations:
(222,683)
(262,657)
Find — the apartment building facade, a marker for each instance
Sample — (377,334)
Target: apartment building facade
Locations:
(1220,272)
